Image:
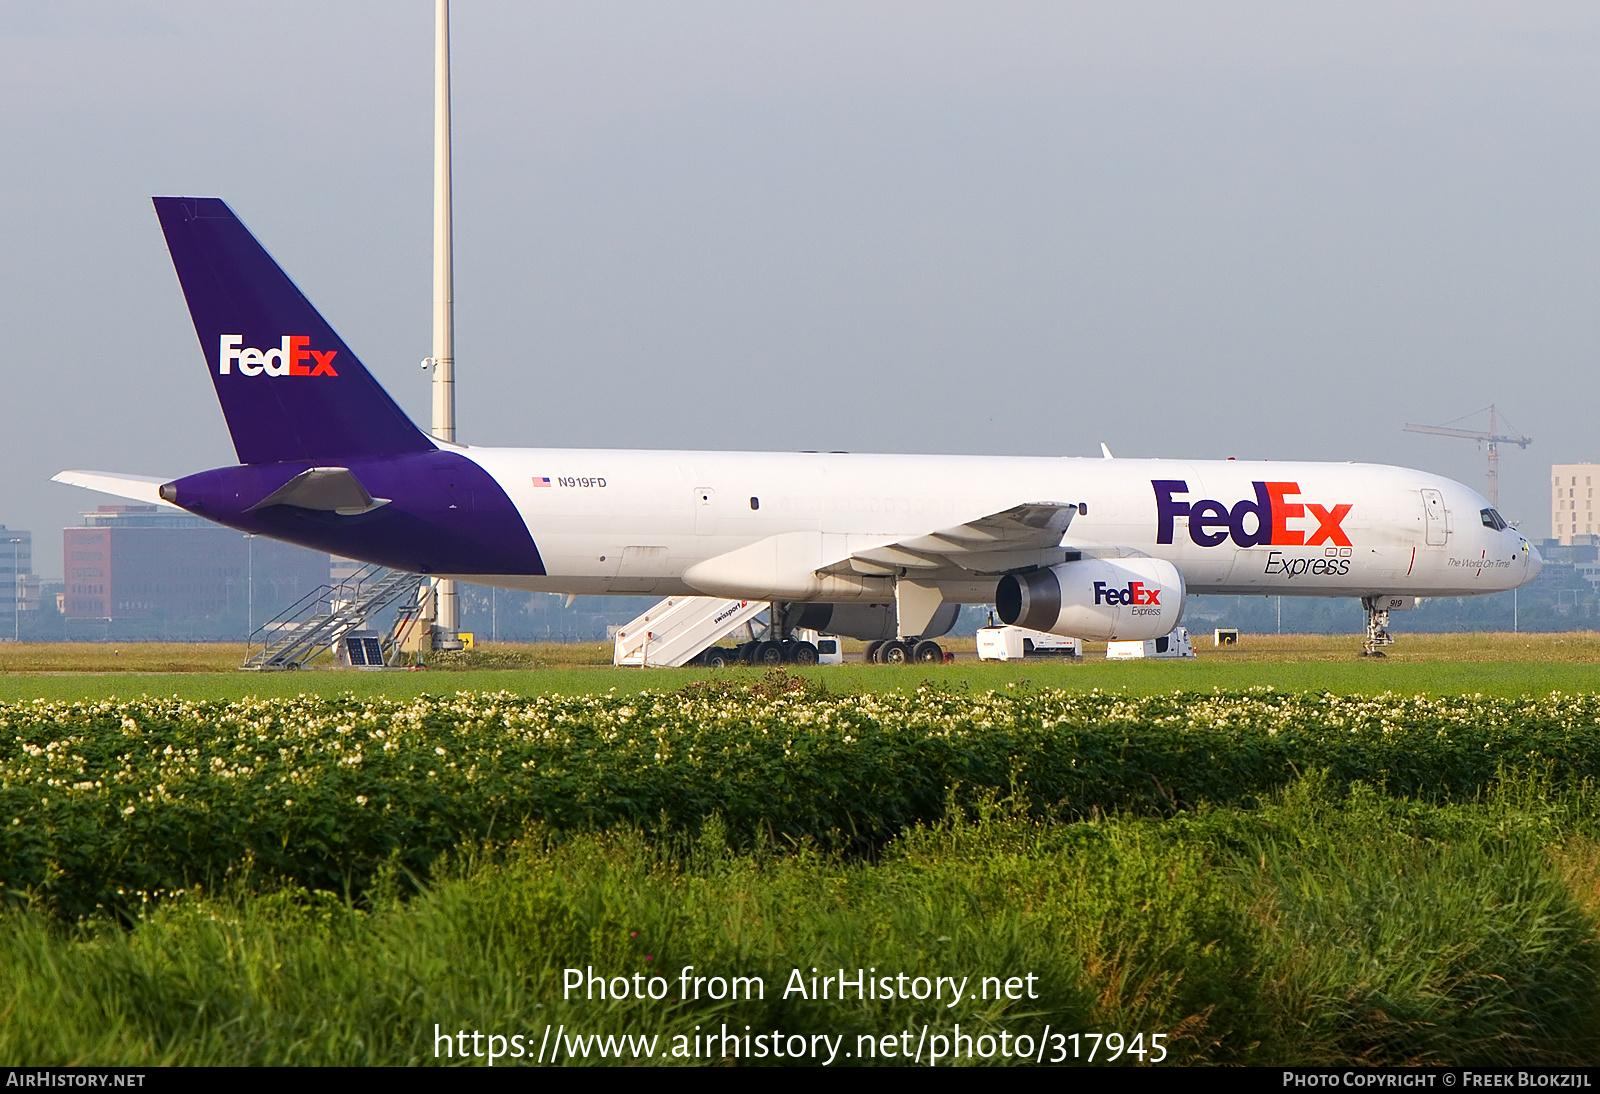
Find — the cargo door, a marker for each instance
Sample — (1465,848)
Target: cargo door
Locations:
(640,570)
(1435,518)
(1249,570)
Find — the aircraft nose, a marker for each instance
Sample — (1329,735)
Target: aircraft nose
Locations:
(1535,562)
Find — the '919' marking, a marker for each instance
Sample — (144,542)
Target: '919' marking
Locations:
(582,481)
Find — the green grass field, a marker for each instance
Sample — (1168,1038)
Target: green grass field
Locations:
(1493,664)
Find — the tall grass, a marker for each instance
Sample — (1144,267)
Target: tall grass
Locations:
(1321,927)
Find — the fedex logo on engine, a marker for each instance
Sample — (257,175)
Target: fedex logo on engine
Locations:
(291,357)
(1135,592)
(1211,522)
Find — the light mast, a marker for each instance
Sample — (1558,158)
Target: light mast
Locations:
(447,612)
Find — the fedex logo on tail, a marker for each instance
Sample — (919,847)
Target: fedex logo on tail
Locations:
(292,357)
(1249,523)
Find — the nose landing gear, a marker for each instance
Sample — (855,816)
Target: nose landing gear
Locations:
(1377,628)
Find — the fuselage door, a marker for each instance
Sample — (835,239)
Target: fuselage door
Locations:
(1435,519)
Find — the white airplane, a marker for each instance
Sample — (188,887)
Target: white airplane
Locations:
(874,546)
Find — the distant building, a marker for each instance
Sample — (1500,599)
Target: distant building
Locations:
(1583,550)
(19,585)
(1572,500)
(342,570)
(147,571)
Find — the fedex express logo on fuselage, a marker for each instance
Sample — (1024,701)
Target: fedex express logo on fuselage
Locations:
(292,357)
(1211,522)
(1135,592)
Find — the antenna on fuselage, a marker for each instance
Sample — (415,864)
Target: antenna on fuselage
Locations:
(1106,452)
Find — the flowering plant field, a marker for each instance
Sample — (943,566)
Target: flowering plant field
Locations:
(103,801)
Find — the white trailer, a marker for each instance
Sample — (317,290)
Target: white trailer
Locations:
(1167,646)
(1019,643)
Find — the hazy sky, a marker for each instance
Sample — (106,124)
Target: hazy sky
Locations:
(1272,230)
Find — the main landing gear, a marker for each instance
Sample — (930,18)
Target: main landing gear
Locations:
(779,646)
(786,652)
(776,644)
(1377,628)
(902,651)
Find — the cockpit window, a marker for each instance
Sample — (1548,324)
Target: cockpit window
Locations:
(1492,519)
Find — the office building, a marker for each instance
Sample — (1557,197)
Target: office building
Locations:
(160,573)
(19,585)
(1572,511)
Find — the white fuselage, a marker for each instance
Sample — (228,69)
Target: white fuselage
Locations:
(632,522)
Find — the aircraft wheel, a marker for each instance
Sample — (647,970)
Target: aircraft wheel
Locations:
(873,651)
(768,653)
(895,653)
(804,653)
(928,652)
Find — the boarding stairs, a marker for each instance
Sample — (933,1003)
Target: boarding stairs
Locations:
(680,628)
(318,620)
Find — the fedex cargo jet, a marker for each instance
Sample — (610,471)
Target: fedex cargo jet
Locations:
(874,546)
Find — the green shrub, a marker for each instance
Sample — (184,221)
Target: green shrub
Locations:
(102,801)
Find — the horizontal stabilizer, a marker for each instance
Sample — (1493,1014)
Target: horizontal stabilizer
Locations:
(329,489)
(140,488)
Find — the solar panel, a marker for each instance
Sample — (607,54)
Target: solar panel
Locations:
(364,650)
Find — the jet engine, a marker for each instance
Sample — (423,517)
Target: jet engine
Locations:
(870,622)
(1097,598)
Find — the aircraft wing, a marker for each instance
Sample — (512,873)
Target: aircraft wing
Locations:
(140,488)
(993,544)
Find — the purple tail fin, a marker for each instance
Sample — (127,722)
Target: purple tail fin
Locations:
(290,388)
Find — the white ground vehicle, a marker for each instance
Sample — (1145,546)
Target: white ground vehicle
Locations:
(830,649)
(1018,643)
(1175,644)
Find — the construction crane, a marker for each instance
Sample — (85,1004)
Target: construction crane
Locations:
(1492,438)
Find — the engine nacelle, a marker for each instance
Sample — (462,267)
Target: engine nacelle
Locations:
(1106,599)
(870,622)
